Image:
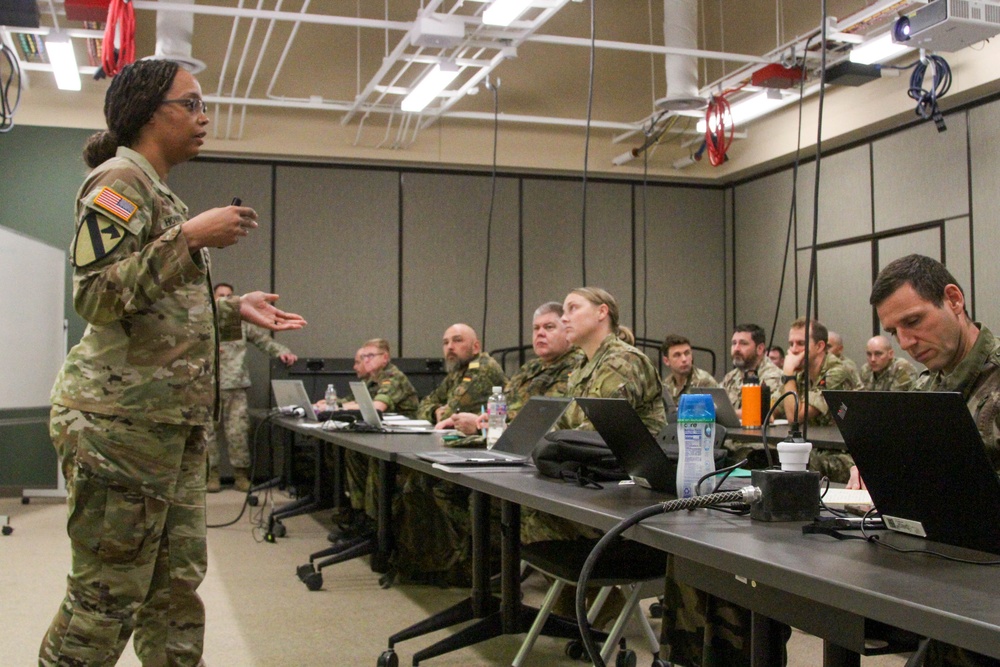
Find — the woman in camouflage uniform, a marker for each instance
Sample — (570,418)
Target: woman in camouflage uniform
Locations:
(134,396)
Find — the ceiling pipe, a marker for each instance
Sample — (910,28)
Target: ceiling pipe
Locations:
(680,29)
(174,31)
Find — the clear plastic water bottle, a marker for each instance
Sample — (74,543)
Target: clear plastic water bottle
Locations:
(331,397)
(696,442)
(496,411)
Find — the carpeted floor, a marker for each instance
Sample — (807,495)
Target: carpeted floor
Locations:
(259,613)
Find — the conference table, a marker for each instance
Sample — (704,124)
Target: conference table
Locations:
(821,437)
(832,589)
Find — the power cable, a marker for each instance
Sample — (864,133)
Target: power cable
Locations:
(744,496)
(8,108)
(793,209)
(927,106)
(114,59)
(495,89)
(586,145)
(811,285)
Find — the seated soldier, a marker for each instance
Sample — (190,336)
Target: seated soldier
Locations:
(825,372)
(684,375)
(433,541)
(391,391)
(884,372)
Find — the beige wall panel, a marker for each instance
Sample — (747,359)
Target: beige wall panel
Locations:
(687,269)
(246,265)
(958,257)
(336,256)
(845,197)
(844,283)
(553,247)
(444,260)
(984,126)
(761,225)
(921,175)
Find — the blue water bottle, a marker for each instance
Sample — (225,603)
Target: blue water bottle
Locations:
(695,442)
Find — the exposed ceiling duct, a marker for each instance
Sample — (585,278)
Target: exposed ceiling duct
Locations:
(680,30)
(174,31)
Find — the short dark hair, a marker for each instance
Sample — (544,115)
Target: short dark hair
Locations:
(756,332)
(817,331)
(229,285)
(927,276)
(671,340)
(777,348)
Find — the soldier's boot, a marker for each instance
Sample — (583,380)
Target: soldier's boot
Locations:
(241,479)
(213,484)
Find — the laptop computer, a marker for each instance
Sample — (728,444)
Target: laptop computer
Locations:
(647,462)
(923,461)
(369,413)
(725,413)
(293,392)
(515,445)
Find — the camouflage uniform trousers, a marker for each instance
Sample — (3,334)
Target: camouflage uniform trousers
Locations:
(700,629)
(432,530)
(136,522)
(235,424)
(356,468)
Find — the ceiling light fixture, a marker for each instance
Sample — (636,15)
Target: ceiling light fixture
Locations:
(63,60)
(754,106)
(433,83)
(503,12)
(878,50)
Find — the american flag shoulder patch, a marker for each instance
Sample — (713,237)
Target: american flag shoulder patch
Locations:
(115,204)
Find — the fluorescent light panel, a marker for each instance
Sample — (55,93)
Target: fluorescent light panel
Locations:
(63,60)
(433,83)
(504,12)
(878,50)
(752,107)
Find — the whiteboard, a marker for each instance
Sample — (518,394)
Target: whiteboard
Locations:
(32,321)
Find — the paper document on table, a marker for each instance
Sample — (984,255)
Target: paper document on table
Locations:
(399,420)
(847,497)
(476,469)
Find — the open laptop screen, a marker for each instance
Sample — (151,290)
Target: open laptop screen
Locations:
(923,461)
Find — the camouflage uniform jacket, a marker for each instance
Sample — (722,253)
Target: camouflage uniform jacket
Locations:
(767,373)
(977,377)
(852,368)
(899,375)
(150,347)
(233,371)
(698,378)
(832,375)
(617,370)
(391,386)
(465,389)
(537,378)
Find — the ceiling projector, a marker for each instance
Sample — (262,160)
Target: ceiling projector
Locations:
(948,25)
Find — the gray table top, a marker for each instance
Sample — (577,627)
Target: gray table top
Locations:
(822,437)
(954,602)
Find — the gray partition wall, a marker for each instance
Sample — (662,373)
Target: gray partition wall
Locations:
(916,190)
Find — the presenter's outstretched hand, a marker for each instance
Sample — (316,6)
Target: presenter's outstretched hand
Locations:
(219,227)
(257,308)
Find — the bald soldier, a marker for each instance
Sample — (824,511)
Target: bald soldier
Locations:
(884,372)
(836,342)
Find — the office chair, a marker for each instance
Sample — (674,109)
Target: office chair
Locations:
(631,566)
(319,498)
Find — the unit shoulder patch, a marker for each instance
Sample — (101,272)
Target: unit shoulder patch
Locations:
(95,239)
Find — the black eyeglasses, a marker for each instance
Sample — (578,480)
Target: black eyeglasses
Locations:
(194,105)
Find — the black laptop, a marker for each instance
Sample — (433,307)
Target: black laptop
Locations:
(640,455)
(515,445)
(923,461)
